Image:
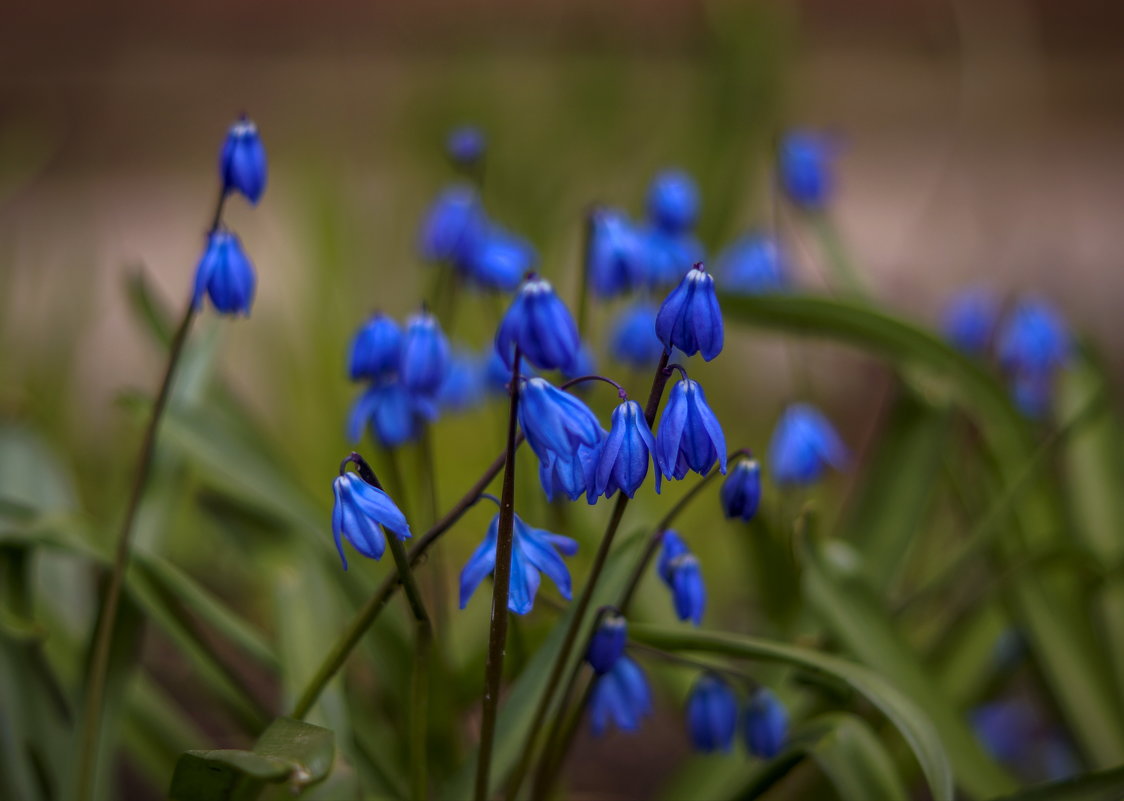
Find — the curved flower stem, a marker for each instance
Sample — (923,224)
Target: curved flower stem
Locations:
(497,638)
(620,390)
(107,619)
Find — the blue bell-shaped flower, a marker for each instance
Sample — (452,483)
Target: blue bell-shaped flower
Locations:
(360,513)
(463,385)
(753,265)
(391,412)
(689,318)
(741,491)
(465,145)
(583,364)
(633,340)
(673,201)
(572,475)
(621,697)
(615,255)
(242,162)
(497,259)
(539,323)
(668,256)
(623,461)
(225,274)
(497,375)
(534,551)
(689,436)
(765,724)
(969,320)
(804,443)
(712,714)
(451,224)
(1034,338)
(425,356)
(607,643)
(555,421)
(679,569)
(375,349)
(804,165)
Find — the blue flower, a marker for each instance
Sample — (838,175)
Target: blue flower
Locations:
(624,454)
(465,144)
(497,375)
(633,340)
(451,224)
(1034,338)
(616,254)
(606,645)
(765,724)
(242,163)
(225,274)
(425,356)
(803,444)
(969,320)
(375,349)
(805,162)
(712,714)
(689,318)
(463,385)
(621,697)
(754,265)
(689,436)
(680,571)
(673,201)
(555,421)
(533,551)
(741,491)
(583,364)
(668,256)
(391,411)
(1006,728)
(496,259)
(360,512)
(571,474)
(541,326)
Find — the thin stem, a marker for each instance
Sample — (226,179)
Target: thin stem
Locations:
(841,266)
(583,289)
(497,639)
(620,390)
(429,470)
(676,366)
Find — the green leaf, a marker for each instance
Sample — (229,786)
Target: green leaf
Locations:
(915,727)
(1103,786)
(151,313)
(852,757)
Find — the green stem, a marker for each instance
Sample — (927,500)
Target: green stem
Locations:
(844,271)
(583,289)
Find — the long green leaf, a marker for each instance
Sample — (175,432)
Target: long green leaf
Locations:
(852,756)
(1106,785)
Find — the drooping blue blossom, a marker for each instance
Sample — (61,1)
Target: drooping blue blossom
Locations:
(754,265)
(679,569)
(689,436)
(570,474)
(633,340)
(668,256)
(1034,338)
(583,364)
(494,258)
(534,551)
(804,444)
(712,714)
(765,724)
(616,254)
(621,697)
(540,325)
(225,275)
(555,421)
(451,224)
(624,454)
(242,162)
(969,319)
(375,349)
(741,491)
(425,356)
(606,645)
(463,385)
(361,511)
(497,375)
(1016,733)
(673,201)
(465,144)
(805,168)
(689,318)
(390,410)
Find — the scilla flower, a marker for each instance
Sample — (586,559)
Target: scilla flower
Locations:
(360,513)
(624,455)
(463,385)
(375,349)
(765,724)
(969,320)
(712,714)
(451,223)
(689,318)
(391,412)
(540,325)
(668,256)
(225,274)
(555,421)
(570,474)
(679,569)
(497,375)
(673,201)
(425,356)
(242,163)
(615,256)
(583,364)
(621,697)
(606,645)
(465,144)
(497,259)
(1034,338)
(689,436)
(633,340)
(741,491)
(804,444)
(754,265)
(533,551)
(805,162)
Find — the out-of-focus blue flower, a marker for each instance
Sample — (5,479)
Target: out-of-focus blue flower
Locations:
(375,349)
(495,258)
(765,724)
(668,256)
(391,412)
(679,569)
(425,356)
(803,444)
(242,162)
(621,697)
(689,436)
(606,645)
(463,386)
(805,168)
(690,319)
(360,512)
(1034,339)
(633,340)
(539,323)
(497,375)
(225,274)
(465,144)
(533,551)
(584,364)
(741,491)
(624,454)
(753,265)
(673,201)
(969,320)
(712,714)
(451,224)
(616,254)
(1017,734)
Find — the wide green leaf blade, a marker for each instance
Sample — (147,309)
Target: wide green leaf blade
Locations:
(1105,785)
(852,757)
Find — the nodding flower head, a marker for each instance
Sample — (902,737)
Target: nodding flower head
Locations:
(463,385)
(572,475)
(969,320)
(540,325)
(1034,338)
(754,265)
(465,144)
(360,513)
(673,201)
(616,254)
(375,349)
(225,275)
(451,224)
(496,259)
(805,167)
(555,421)
(680,571)
(765,724)
(620,697)
(393,414)
(425,355)
(741,491)
(606,645)
(689,436)
(804,444)
(242,163)
(624,454)
(534,551)
(633,340)
(497,375)
(712,714)
(668,256)
(689,318)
